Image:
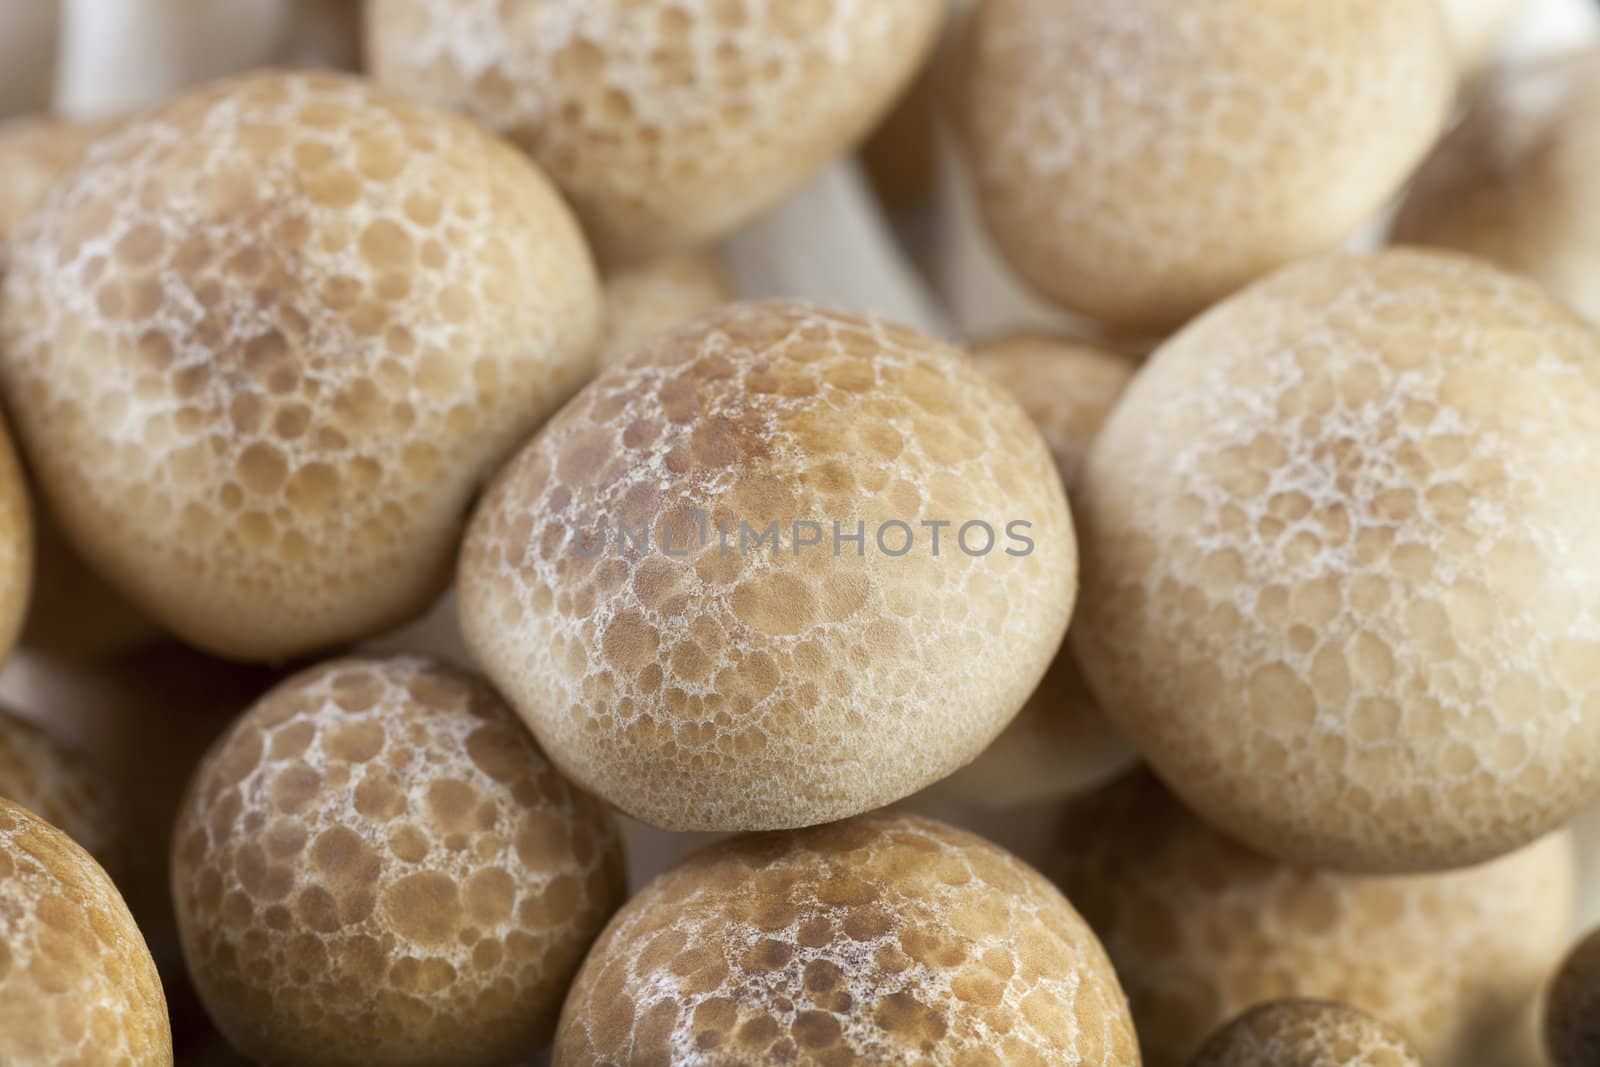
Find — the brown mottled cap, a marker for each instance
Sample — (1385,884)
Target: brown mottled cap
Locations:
(1342,563)
(668,122)
(731,685)
(377,866)
(77,984)
(1307,1033)
(264,342)
(1060,742)
(884,939)
(1514,182)
(56,782)
(1572,1008)
(1138,161)
(1201,928)
(644,302)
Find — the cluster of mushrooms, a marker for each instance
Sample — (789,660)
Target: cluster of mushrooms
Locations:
(816,532)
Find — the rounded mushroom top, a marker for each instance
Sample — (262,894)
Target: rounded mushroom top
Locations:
(1512,183)
(1572,1007)
(61,786)
(888,938)
(376,865)
(265,341)
(667,122)
(1307,1033)
(777,568)
(1342,563)
(77,984)
(643,302)
(1138,161)
(1200,928)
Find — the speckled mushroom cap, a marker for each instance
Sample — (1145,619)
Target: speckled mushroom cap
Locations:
(264,342)
(1200,928)
(667,122)
(1138,161)
(1307,1033)
(1342,563)
(1572,1007)
(1060,743)
(377,866)
(649,300)
(884,939)
(77,984)
(57,783)
(34,152)
(1513,183)
(1475,26)
(731,685)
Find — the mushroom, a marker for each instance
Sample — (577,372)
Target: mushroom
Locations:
(78,984)
(1137,162)
(647,301)
(54,781)
(1341,558)
(884,939)
(265,342)
(375,865)
(1060,743)
(668,123)
(28,33)
(1200,928)
(1514,182)
(1572,1007)
(775,569)
(1307,1033)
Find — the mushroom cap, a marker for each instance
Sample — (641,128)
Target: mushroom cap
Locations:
(58,784)
(1307,1033)
(1514,182)
(710,680)
(1476,26)
(77,984)
(667,122)
(1201,927)
(642,302)
(377,866)
(1060,743)
(1138,161)
(1572,1007)
(1342,563)
(885,939)
(265,341)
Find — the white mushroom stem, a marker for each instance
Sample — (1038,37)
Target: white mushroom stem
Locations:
(830,243)
(1549,27)
(121,55)
(27,53)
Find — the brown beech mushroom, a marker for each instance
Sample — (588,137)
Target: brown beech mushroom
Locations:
(1137,161)
(1200,928)
(884,939)
(56,782)
(1341,558)
(668,123)
(777,568)
(1572,1008)
(376,865)
(265,342)
(77,984)
(1515,183)
(1060,742)
(1307,1033)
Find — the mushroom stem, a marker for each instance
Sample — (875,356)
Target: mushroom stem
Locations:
(830,243)
(27,48)
(123,55)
